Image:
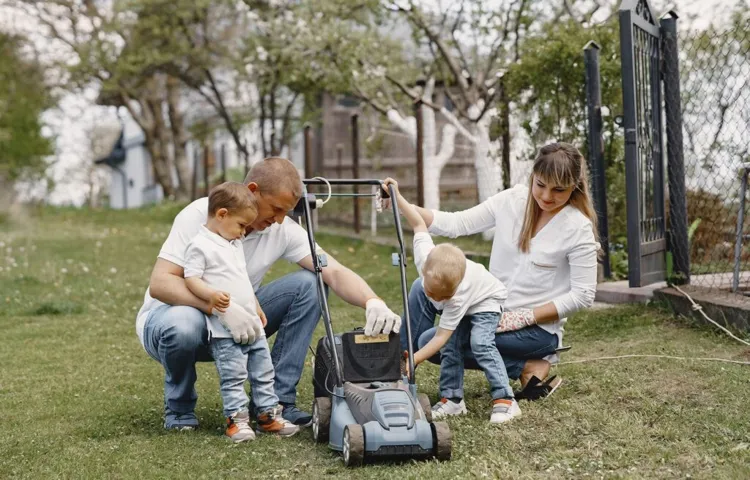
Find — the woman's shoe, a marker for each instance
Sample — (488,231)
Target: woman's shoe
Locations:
(537,389)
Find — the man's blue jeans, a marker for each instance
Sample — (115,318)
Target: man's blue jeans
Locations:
(177,337)
(478,331)
(236,364)
(515,347)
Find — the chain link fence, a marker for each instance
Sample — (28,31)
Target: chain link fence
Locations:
(715,94)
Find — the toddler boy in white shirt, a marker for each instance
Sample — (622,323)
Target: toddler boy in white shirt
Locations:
(470,300)
(215,271)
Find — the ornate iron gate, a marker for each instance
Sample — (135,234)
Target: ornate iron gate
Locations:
(644,160)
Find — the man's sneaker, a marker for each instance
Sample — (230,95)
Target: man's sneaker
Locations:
(504,410)
(272,421)
(447,407)
(238,427)
(295,415)
(179,421)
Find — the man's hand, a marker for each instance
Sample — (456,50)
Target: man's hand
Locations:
(380,318)
(261,314)
(219,301)
(516,320)
(240,323)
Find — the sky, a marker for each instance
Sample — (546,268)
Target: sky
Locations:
(76,115)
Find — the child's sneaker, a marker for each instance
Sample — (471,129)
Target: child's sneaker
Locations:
(504,410)
(238,427)
(447,407)
(271,421)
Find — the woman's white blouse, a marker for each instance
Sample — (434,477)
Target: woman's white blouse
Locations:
(561,264)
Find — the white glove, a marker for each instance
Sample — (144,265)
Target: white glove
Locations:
(380,318)
(240,323)
(516,320)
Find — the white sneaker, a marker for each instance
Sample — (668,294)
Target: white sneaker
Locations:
(447,407)
(504,411)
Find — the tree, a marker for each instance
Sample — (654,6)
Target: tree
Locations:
(24,96)
(97,46)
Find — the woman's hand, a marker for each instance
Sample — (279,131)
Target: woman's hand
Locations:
(516,320)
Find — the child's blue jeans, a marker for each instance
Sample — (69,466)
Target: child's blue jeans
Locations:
(235,364)
(478,330)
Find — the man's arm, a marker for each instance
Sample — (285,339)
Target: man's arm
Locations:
(168,285)
(345,283)
(354,290)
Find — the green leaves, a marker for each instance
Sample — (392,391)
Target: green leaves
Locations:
(23,98)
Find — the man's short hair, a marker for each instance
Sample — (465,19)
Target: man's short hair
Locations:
(233,196)
(274,175)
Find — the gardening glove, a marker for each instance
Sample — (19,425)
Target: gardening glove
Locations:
(515,320)
(239,322)
(380,318)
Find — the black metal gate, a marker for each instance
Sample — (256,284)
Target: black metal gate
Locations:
(644,161)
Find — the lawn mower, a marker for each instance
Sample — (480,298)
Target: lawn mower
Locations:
(365,407)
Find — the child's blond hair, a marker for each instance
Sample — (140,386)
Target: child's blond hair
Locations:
(444,268)
(233,196)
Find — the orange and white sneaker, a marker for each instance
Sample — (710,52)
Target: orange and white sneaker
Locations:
(271,421)
(238,427)
(504,410)
(447,408)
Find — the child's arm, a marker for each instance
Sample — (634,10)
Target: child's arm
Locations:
(433,346)
(219,301)
(407,209)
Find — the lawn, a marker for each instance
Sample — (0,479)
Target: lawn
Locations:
(79,398)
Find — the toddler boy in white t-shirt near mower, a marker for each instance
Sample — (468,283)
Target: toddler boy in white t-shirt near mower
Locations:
(215,271)
(471,300)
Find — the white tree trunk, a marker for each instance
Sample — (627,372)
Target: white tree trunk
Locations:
(433,161)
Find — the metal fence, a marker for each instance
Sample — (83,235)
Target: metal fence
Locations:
(714,72)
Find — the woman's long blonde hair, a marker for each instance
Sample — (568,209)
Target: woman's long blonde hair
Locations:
(557,164)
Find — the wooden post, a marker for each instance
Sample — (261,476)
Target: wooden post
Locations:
(420,153)
(196,163)
(308,152)
(340,160)
(355,167)
(223,163)
(207,188)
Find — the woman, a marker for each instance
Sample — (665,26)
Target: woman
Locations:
(544,251)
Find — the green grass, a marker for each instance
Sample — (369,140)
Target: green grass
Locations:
(79,398)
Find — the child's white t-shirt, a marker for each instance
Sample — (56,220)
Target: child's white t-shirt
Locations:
(479,291)
(221,264)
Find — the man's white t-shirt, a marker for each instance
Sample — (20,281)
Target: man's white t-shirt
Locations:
(221,264)
(561,263)
(479,291)
(262,249)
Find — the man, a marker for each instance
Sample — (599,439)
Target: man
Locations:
(171,323)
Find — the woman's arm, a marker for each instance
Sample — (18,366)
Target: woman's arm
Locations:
(433,346)
(582,259)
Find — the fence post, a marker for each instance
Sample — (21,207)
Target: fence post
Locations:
(196,162)
(355,167)
(308,152)
(678,217)
(205,169)
(596,147)
(223,154)
(420,152)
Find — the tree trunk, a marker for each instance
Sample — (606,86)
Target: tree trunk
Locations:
(505,131)
(179,139)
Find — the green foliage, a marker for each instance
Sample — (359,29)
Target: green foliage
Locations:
(23,98)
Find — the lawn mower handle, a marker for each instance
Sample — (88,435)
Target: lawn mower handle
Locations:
(390,193)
